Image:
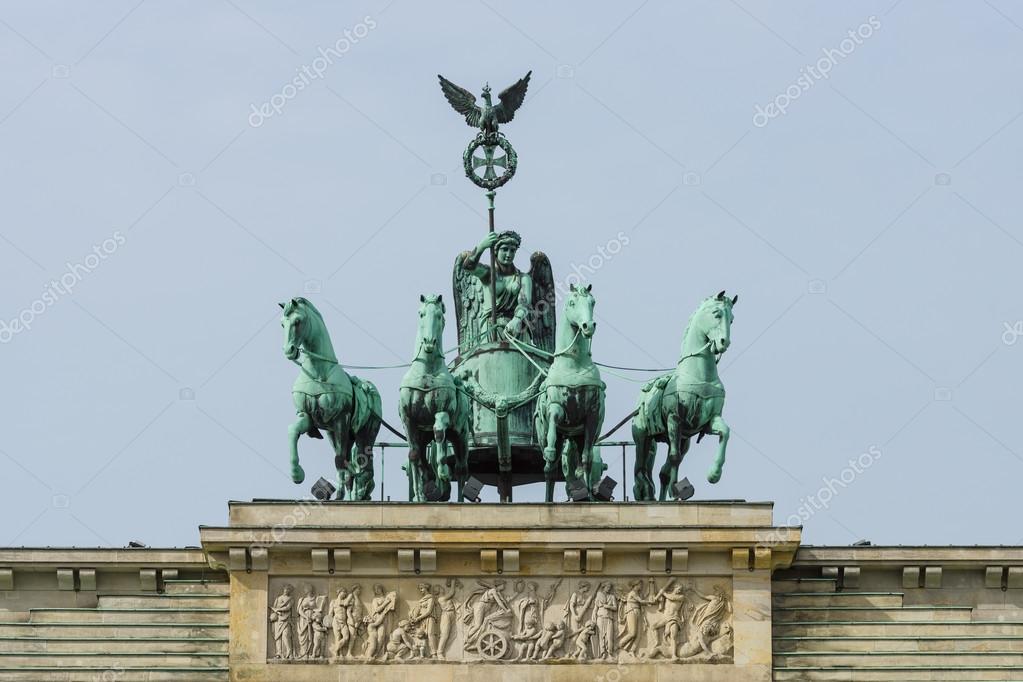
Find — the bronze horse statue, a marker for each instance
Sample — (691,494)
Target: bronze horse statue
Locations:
(328,398)
(570,409)
(433,407)
(685,403)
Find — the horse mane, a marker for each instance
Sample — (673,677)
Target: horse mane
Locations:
(307,304)
(309,308)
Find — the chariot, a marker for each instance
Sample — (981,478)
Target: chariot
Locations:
(503,374)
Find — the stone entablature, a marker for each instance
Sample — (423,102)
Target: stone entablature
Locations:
(669,590)
(56,576)
(786,612)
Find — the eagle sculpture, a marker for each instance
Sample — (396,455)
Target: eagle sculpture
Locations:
(488,116)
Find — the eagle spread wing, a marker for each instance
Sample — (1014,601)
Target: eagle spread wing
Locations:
(464,102)
(511,99)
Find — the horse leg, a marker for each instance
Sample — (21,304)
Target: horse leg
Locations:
(555,414)
(342,442)
(418,466)
(721,430)
(648,480)
(459,441)
(669,472)
(569,463)
(643,489)
(363,467)
(415,451)
(300,426)
(683,448)
(593,464)
(441,469)
(639,438)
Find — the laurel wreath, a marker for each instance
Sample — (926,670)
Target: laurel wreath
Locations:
(496,141)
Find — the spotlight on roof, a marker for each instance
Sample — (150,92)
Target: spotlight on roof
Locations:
(577,491)
(471,489)
(683,490)
(605,489)
(323,489)
(432,491)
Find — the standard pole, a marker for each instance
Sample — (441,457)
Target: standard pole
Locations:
(504,479)
(493,269)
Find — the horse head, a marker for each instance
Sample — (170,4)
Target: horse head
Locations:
(301,322)
(579,310)
(431,324)
(713,321)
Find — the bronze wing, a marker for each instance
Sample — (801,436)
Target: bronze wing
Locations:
(462,101)
(511,99)
(468,296)
(544,302)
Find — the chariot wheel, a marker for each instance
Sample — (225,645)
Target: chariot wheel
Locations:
(493,646)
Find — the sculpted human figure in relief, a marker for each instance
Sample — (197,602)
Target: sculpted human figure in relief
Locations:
(341,622)
(423,617)
(550,641)
(708,625)
(484,607)
(400,645)
(577,607)
(605,615)
(356,619)
(448,604)
(306,609)
(632,616)
(280,617)
(319,628)
(383,604)
(665,627)
(527,637)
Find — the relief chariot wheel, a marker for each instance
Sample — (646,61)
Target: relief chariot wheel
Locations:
(493,645)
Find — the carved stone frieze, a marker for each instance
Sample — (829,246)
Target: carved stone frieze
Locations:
(620,620)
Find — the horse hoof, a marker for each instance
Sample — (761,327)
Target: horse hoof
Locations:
(714,475)
(297,475)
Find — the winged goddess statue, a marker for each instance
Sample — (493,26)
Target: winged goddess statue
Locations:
(489,116)
(524,300)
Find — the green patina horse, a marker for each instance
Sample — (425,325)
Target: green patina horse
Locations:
(570,408)
(433,408)
(687,402)
(328,398)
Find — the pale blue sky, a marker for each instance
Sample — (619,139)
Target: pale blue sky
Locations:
(868,230)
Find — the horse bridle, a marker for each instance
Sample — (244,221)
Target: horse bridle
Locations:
(717,356)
